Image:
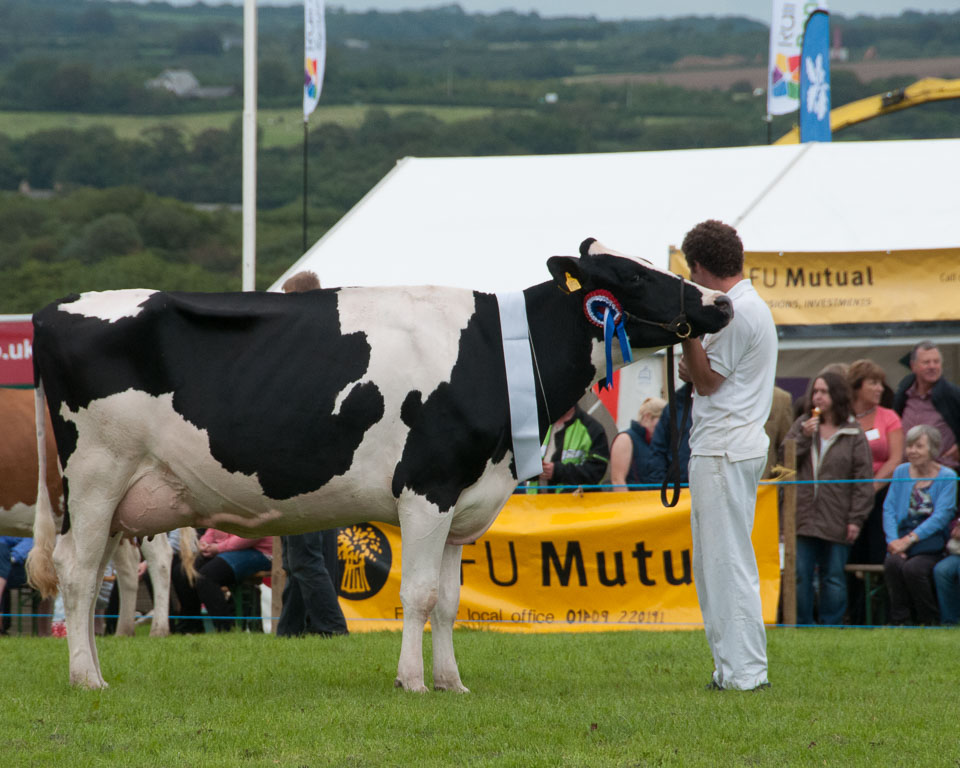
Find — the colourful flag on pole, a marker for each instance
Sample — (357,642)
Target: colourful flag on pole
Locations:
(786,38)
(314,53)
(815,79)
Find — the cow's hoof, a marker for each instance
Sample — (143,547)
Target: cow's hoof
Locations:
(420,688)
(457,687)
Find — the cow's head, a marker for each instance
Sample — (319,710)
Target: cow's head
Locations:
(659,308)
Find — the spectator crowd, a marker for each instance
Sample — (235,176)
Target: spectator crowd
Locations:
(878,486)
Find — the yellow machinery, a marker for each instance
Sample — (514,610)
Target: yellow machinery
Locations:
(923,91)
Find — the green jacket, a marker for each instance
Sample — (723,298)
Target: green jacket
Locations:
(581,455)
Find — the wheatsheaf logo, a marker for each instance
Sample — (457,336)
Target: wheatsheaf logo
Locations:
(365,559)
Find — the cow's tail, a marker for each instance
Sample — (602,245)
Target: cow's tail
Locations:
(40,570)
(188,553)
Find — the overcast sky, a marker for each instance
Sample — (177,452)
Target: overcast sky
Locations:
(619,9)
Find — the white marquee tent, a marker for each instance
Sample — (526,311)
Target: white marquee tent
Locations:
(490,223)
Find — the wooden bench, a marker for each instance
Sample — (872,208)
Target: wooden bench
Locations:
(246,601)
(25,603)
(870,572)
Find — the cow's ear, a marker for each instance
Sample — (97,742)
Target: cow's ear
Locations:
(567,272)
(585,246)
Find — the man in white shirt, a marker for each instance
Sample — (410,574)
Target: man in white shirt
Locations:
(732,372)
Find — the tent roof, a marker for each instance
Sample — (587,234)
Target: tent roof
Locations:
(490,223)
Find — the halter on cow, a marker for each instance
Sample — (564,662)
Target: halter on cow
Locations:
(266,414)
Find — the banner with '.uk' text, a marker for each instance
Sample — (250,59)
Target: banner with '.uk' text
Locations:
(16,351)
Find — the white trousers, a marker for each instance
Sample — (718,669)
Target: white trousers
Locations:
(723,501)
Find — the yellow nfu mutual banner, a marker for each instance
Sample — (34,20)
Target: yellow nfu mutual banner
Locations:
(561,563)
(853,287)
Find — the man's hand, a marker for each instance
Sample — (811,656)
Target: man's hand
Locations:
(697,366)
(547,475)
(852,532)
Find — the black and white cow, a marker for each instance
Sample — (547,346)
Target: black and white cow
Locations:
(264,414)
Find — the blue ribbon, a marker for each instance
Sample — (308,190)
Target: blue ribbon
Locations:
(608,329)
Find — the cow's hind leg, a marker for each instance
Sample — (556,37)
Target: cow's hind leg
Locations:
(80,558)
(424,533)
(126,559)
(159,556)
(446,675)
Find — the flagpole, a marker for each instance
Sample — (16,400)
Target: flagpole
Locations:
(306,132)
(249,182)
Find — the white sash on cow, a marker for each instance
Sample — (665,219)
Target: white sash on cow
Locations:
(521,390)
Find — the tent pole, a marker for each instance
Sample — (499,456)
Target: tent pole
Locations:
(305,155)
(249,182)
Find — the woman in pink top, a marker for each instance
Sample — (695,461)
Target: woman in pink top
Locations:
(880,425)
(224,560)
(885,436)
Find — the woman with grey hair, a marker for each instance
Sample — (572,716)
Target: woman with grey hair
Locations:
(915,519)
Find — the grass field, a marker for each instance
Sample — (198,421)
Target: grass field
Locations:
(839,698)
(279,127)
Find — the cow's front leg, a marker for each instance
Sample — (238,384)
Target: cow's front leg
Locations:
(446,676)
(159,556)
(423,531)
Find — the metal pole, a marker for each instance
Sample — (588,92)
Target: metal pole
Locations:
(249,145)
(305,155)
(788,589)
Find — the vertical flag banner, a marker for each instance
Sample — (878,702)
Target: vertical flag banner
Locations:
(314,53)
(786,39)
(815,79)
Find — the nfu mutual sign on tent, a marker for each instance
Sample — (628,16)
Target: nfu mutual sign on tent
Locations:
(856,287)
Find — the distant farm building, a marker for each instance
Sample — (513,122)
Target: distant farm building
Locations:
(184,84)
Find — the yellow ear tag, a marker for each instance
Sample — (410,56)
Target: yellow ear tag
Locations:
(572,283)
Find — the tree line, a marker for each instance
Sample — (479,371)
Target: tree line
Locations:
(96,56)
(130,212)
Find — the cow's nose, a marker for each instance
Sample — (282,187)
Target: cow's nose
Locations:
(723,303)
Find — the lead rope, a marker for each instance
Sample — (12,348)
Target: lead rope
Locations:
(673,473)
(676,432)
(536,369)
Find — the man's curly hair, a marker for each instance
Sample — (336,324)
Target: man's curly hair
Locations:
(716,247)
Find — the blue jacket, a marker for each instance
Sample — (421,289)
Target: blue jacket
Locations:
(660,444)
(641,458)
(896,507)
(19,548)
